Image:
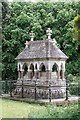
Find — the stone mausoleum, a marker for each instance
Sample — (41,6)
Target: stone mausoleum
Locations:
(41,61)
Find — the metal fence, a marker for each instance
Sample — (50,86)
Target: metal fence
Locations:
(8,86)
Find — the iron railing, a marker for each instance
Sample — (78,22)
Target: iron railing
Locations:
(8,86)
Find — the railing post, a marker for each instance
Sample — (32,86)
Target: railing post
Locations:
(66,90)
(35,91)
(79,93)
(49,92)
(0,87)
(6,86)
(10,88)
(22,89)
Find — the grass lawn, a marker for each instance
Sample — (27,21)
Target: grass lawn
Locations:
(16,109)
(0,109)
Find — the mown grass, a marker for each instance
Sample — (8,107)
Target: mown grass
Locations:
(0,109)
(16,109)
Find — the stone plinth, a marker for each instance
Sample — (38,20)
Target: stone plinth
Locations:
(57,87)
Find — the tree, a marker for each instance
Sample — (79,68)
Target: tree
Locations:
(24,17)
(76,31)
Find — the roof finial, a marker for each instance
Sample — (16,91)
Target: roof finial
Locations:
(32,35)
(54,42)
(27,44)
(49,33)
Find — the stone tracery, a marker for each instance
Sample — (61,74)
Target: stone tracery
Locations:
(39,69)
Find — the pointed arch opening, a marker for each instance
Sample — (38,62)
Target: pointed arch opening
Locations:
(61,71)
(42,71)
(55,68)
(42,67)
(32,70)
(31,67)
(55,71)
(25,67)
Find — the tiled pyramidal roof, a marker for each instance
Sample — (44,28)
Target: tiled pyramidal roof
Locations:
(41,49)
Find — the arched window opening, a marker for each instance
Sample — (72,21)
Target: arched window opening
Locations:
(25,67)
(32,68)
(42,68)
(61,72)
(55,71)
(55,68)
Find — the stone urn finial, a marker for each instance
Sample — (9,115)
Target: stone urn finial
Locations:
(32,35)
(49,33)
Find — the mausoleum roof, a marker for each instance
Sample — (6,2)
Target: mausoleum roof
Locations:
(41,49)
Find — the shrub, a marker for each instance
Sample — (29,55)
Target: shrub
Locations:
(72,78)
(74,89)
(51,111)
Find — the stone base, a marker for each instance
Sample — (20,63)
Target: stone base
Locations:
(56,89)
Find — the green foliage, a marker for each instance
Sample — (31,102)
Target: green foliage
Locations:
(73,78)
(57,112)
(76,28)
(20,18)
(74,89)
(73,84)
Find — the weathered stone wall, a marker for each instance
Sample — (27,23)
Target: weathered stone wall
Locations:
(58,89)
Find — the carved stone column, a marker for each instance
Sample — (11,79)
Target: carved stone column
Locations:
(48,74)
(62,72)
(36,73)
(19,74)
(30,74)
(63,75)
(58,74)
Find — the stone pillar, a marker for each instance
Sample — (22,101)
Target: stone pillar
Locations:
(39,73)
(62,74)
(19,74)
(62,71)
(36,73)
(58,74)
(30,74)
(48,74)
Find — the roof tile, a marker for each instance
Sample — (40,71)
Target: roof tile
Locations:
(41,49)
